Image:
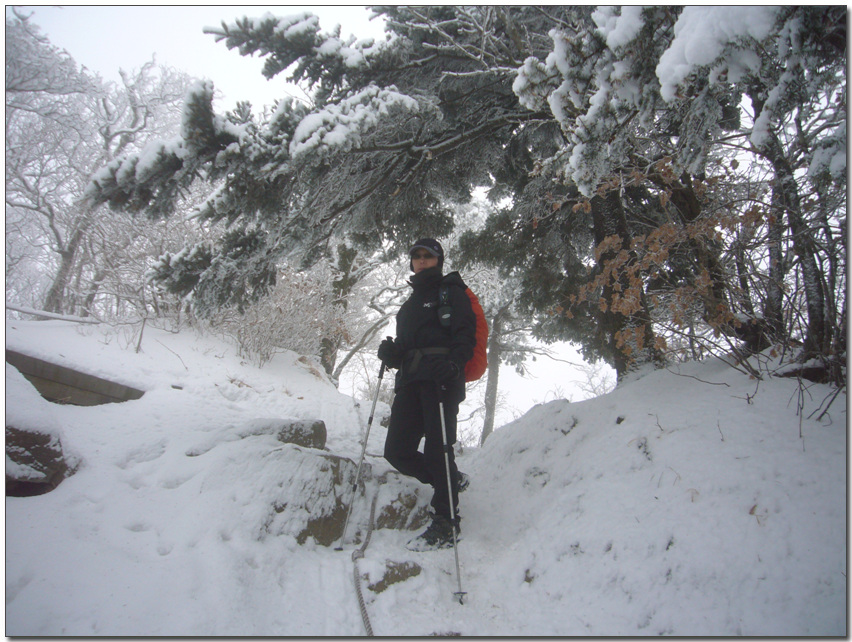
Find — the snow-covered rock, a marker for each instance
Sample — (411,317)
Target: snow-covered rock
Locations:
(35,460)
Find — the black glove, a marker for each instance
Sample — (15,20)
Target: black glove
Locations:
(389,353)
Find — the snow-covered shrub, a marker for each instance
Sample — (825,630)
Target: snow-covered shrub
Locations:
(297,315)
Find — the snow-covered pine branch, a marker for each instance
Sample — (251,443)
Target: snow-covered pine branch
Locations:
(340,127)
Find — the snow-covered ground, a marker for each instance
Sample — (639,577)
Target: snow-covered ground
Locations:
(689,502)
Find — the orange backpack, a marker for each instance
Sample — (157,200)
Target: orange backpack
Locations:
(475,368)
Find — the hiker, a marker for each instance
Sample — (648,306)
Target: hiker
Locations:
(430,359)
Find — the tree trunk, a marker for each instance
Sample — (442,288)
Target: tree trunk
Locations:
(328,354)
(786,194)
(55,299)
(95,285)
(492,374)
(342,287)
(772,311)
(785,199)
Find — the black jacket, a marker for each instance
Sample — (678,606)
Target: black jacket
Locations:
(418,327)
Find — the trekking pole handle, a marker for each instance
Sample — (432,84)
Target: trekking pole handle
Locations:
(376,398)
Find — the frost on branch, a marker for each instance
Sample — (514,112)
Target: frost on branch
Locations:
(152,178)
(237,271)
(595,82)
(201,127)
(296,39)
(284,40)
(533,83)
(709,35)
(179,272)
(829,158)
(619,30)
(340,127)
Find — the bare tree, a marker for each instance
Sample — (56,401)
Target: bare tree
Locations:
(61,124)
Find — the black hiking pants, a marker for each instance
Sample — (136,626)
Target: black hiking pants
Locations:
(415,415)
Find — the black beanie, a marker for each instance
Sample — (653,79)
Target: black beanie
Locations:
(430,245)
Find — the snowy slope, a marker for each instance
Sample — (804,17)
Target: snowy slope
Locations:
(684,503)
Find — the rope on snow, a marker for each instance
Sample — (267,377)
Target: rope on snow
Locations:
(358,554)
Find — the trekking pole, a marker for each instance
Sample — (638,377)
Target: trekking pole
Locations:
(361,461)
(459,594)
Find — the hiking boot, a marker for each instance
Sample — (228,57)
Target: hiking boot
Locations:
(439,534)
(462,483)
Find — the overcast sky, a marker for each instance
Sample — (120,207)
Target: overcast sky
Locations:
(108,38)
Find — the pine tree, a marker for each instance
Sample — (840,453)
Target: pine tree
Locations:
(630,225)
